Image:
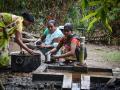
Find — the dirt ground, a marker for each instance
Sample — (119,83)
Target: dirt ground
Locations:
(95,59)
(95,56)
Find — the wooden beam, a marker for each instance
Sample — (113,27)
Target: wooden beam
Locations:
(85,82)
(75,86)
(67,81)
(116,72)
(41,68)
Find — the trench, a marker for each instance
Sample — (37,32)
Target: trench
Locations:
(38,81)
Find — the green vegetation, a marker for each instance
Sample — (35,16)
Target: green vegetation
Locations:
(112,56)
(40,8)
(96,11)
(43,10)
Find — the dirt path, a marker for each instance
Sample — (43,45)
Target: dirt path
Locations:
(96,57)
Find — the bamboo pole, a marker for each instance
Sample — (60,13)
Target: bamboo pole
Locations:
(82,43)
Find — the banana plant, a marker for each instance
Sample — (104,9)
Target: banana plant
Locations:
(98,10)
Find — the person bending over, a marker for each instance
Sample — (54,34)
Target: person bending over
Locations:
(12,24)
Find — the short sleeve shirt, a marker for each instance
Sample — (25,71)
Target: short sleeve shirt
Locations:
(46,31)
(12,22)
(50,37)
(67,46)
(67,43)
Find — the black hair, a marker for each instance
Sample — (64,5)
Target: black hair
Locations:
(68,26)
(28,17)
(52,21)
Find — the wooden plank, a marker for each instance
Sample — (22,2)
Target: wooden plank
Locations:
(80,69)
(85,82)
(99,78)
(69,68)
(47,76)
(102,78)
(116,72)
(41,68)
(40,74)
(75,86)
(67,82)
(99,69)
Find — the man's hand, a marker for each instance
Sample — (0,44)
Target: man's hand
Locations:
(55,57)
(42,45)
(38,42)
(32,52)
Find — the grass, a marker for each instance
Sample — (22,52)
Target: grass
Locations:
(99,49)
(112,56)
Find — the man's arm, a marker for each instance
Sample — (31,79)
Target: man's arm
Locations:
(25,40)
(55,42)
(60,44)
(43,37)
(18,37)
(71,52)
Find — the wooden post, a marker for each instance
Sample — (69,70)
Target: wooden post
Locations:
(82,39)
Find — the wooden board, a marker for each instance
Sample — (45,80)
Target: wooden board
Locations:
(85,82)
(67,82)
